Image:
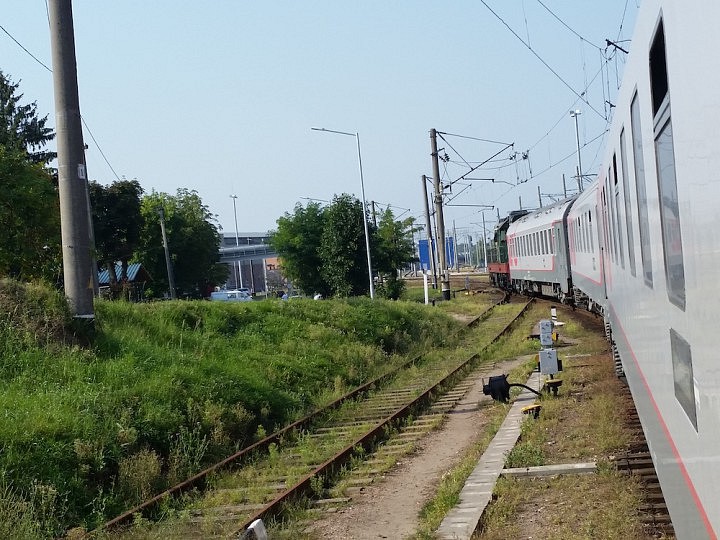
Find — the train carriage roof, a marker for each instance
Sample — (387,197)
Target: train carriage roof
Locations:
(542,218)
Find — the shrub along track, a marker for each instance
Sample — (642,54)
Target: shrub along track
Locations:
(299,459)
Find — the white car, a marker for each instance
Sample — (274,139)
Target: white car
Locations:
(236,295)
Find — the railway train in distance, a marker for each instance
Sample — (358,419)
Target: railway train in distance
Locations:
(641,247)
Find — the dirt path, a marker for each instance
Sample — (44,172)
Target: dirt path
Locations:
(389,507)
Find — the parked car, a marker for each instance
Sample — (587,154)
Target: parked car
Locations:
(236,295)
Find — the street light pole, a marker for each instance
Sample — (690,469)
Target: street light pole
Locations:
(238,268)
(362,191)
(574,114)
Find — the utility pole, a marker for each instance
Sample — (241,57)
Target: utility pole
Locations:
(574,114)
(72,177)
(539,197)
(374,213)
(431,252)
(168,264)
(564,187)
(439,220)
(484,242)
(520,201)
(457,260)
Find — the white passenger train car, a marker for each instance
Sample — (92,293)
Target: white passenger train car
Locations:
(537,244)
(657,199)
(585,245)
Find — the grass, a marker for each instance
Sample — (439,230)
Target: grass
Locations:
(166,388)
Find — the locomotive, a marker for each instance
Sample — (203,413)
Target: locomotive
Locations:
(641,247)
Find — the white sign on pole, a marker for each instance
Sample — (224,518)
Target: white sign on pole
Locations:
(546,328)
(548,362)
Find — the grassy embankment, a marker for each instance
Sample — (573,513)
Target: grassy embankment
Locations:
(163,389)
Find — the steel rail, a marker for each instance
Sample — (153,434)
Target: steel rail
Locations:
(369,439)
(197,480)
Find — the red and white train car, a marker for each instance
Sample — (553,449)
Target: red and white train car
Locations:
(538,255)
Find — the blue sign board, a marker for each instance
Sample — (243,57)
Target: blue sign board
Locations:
(425,255)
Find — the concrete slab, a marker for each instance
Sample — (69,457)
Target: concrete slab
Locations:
(461,521)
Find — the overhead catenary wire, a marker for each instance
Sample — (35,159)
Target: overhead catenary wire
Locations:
(557,75)
(551,12)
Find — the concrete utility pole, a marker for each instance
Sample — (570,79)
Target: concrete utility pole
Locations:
(168,263)
(574,114)
(539,197)
(431,251)
(564,187)
(74,218)
(484,241)
(374,213)
(455,242)
(439,220)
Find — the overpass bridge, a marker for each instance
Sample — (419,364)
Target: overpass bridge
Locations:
(242,253)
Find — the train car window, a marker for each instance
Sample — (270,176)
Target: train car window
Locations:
(628,203)
(611,218)
(545,242)
(618,214)
(667,181)
(658,69)
(670,216)
(552,241)
(642,203)
(592,241)
(683,375)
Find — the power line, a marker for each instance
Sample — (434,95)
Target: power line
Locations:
(50,70)
(557,75)
(24,49)
(98,147)
(568,26)
(469,137)
(565,158)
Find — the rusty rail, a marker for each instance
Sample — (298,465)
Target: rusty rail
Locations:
(198,479)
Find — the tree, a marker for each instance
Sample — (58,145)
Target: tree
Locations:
(193,240)
(342,247)
(297,242)
(322,249)
(117,222)
(29,219)
(20,127)
(394,248)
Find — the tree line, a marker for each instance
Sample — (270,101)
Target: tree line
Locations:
(321,248)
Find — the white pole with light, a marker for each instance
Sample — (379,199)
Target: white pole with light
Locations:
(362,190)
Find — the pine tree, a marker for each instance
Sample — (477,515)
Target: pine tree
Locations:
(20,127)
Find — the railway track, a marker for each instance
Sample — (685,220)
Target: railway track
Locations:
(638,462)
(301,460)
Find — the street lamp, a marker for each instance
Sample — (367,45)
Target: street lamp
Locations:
(238,268)
(574,114)
(362,191)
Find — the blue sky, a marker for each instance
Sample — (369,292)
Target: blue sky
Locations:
(220,96)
